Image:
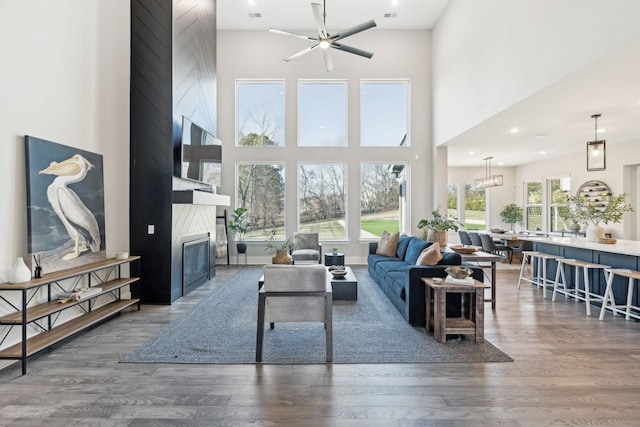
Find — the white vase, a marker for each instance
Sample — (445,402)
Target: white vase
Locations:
(594,232)
(20,272)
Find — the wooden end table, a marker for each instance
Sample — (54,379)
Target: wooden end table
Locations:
(471,321)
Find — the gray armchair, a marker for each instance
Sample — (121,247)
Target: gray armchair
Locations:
(307,248)
(295,293)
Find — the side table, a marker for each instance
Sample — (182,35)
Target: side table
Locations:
(472,318)
(333,259)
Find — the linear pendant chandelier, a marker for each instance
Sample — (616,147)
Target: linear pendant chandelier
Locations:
(489,180)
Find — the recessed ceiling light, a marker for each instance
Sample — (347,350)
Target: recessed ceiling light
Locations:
(471,153)
(394,2)
(500,163)
(252,1)
(601,130)
(514,130)
(543,152)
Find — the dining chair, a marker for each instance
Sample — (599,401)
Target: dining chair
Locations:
(464,238)
(475,238)
(488,245)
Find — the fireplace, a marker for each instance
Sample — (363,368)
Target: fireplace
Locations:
(195,262)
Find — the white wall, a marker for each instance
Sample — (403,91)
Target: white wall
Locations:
(65,78)
(490,54)
(398,54)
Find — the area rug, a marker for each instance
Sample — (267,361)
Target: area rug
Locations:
(222,329)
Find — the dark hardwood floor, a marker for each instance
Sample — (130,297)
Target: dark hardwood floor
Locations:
(569,370)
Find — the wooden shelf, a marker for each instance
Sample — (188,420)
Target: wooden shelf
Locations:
(25,314)
(39,311)
(46,339)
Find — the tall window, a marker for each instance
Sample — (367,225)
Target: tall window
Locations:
(559,204)
(452,200)
(475,205)
(322,199)
(260,115)
(533,206)
(322,114)
(261,190)
(380,198)
(383,113)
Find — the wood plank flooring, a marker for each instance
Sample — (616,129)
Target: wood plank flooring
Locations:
(569,370)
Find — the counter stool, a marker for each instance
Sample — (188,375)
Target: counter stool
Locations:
(561,281)
(609,300)
(538,278)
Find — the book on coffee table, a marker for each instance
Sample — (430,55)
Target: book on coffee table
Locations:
(453,281)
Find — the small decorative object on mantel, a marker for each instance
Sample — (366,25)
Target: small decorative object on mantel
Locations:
(592,211)
(436,228)
(20,272)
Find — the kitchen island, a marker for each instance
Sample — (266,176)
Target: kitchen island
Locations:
(622,254)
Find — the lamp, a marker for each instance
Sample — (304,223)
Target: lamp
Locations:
(489,180)
(596,150)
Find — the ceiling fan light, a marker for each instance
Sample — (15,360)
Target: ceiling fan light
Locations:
(324,43)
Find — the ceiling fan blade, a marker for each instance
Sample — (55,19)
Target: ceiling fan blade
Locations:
(317,15)
(354,30)
(287,33)
(328,62)
(353,50)
(302,52)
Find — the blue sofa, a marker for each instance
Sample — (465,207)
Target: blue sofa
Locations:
(400,279)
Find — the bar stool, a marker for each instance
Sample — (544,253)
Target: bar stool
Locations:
(609,300)
(539,278)
(561,281)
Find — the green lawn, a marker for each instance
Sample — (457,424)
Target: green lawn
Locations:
(377,226)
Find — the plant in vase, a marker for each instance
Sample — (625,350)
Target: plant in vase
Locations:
(281,250)
(511,214)
(592,212)
(435,229)
(240,225)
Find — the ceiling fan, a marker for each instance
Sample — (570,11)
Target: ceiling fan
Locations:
(325,40)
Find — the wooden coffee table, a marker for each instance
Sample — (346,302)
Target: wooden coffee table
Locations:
(472,320)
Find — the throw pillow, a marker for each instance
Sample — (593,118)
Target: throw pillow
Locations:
(430,255)
(387,244)
(403,244)
(416,246)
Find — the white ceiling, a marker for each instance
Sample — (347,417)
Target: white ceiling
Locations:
(556,120)
(341,14)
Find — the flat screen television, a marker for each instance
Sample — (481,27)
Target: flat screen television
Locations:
(201,154)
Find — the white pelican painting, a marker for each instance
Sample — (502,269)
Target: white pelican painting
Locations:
(76,217)
(65,204)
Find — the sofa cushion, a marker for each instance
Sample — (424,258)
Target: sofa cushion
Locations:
(450,258)
(403,243)
(416,246)
(388,244)
(430,255)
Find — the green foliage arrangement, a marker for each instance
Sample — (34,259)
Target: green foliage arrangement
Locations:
(438,222)
(239,222)
(511,214)
(273,246)
(586,212)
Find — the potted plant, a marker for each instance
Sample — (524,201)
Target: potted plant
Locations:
(436,227)
(511,214)
(279,249)
(240,224)
(592,213)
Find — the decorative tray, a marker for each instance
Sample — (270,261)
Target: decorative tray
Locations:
(465,250)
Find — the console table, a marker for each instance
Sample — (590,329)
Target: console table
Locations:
(44,316)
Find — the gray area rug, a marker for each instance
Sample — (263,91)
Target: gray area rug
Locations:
(222,329)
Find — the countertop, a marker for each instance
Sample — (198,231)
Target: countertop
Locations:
(624,247)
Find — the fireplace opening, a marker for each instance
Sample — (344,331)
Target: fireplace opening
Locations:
(195,263)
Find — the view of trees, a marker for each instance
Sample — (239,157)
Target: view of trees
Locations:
(261,190)
(322,198)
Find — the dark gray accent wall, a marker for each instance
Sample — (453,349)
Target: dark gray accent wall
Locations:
(172,74)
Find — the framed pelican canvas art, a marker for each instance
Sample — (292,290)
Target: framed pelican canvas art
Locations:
(65,205)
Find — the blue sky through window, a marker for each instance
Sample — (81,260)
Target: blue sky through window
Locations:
(322,114)
(383,113)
